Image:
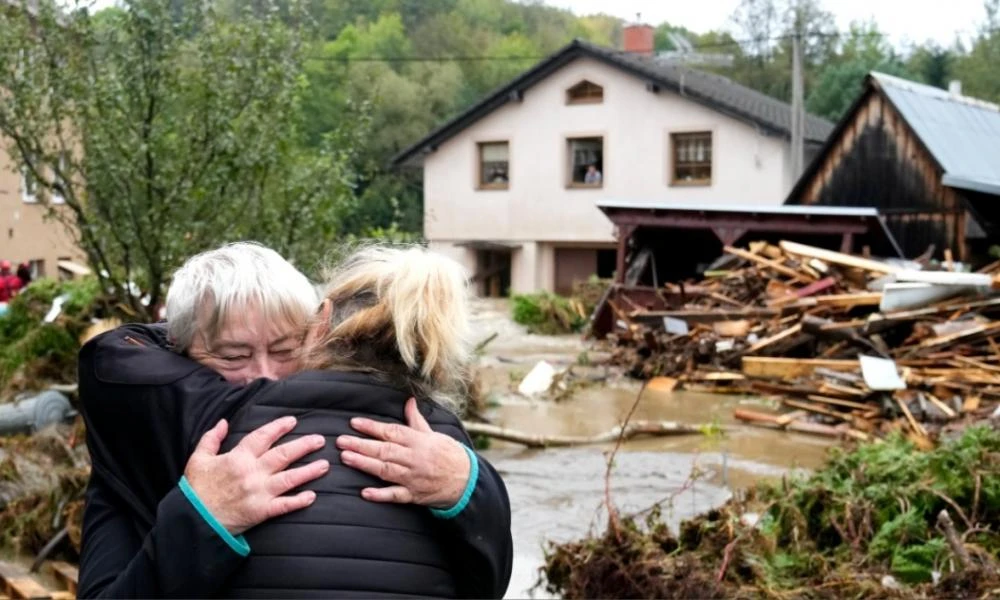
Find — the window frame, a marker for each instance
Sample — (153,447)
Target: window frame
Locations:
(26,196)
(570,99)
(58,198)
(672,147)
(495,186)
(568,148)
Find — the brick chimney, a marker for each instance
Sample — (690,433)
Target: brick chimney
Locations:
(638,39)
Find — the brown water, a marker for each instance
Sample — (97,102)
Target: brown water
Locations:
(557,494)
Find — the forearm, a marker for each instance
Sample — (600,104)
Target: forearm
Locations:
(181,556)
(481,535)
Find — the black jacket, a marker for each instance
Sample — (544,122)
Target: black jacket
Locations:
(147,407)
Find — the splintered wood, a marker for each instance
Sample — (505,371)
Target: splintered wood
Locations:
(792,320)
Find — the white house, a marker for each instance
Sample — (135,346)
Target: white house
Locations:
(511,184)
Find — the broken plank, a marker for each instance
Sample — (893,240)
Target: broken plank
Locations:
(17,584)
(66,573)
(917,428)
(947,410)
(821,410)
(704,316)
(843,390)
(840,300)
(764,343)
(662,384)
(772,264)
(971,403)
(787,418)
(838,258)
(947,339)
(790,368)
(798,426)
(976,363)
(808,290)
(838,402)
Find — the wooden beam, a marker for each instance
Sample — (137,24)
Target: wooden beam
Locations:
(790,368)
(764,343)
(773,264)
(838,258)
(68,574)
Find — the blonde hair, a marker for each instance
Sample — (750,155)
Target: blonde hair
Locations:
(403,313)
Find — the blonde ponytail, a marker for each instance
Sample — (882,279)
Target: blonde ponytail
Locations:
(406,304)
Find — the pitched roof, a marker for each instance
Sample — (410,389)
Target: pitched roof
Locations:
(714,91)
(961,133)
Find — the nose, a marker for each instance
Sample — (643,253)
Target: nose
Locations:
(263,368)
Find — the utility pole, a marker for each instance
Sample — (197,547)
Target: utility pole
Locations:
(798,108)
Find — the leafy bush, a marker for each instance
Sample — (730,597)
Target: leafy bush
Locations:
(547,313)
(45,350)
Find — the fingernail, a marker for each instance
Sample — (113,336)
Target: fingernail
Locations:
(311,497)
(317,441)
(288,420)
(325,466)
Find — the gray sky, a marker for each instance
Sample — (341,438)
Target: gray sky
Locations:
(903,20)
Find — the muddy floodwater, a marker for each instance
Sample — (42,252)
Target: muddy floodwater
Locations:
(557,494)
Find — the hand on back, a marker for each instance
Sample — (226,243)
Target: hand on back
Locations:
(245,486)
(428,468)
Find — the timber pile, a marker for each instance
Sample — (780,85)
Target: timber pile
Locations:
(850,346)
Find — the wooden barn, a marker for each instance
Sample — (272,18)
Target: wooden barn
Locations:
(926,158)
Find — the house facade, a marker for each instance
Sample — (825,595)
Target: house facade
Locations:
(27,233)
(511,186)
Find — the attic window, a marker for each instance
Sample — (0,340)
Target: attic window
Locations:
(585,92)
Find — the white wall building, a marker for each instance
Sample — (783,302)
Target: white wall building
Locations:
(506,184)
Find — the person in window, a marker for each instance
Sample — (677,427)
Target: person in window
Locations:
(593,176)
(499,176)
(24,274)
(391,328)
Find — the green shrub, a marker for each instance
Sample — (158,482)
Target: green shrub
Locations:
(547,313)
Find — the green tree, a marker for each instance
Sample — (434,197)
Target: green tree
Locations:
(863,49)
(978,70)
(166,131)
(931,64)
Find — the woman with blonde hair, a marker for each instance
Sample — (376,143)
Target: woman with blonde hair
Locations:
(387,353)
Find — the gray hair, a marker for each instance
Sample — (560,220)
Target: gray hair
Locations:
(211,286)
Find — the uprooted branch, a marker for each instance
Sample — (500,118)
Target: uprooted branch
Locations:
(630,430)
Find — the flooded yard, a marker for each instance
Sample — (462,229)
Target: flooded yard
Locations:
(558,494)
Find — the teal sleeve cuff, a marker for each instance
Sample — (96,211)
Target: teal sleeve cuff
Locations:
(238,544)
(470,486)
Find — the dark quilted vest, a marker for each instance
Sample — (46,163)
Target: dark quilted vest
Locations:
(343,545)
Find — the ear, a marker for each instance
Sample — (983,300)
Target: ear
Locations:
(320,326)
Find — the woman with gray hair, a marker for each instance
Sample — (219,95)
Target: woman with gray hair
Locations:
(393,326)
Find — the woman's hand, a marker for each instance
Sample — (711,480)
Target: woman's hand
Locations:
(247,485)
(428,468)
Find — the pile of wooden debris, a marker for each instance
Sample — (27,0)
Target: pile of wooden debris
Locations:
(850,346)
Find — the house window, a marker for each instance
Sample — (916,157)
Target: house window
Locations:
(692,154)
(585,92)
(29,187)
(494,165)
(59,180)
(586,161)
